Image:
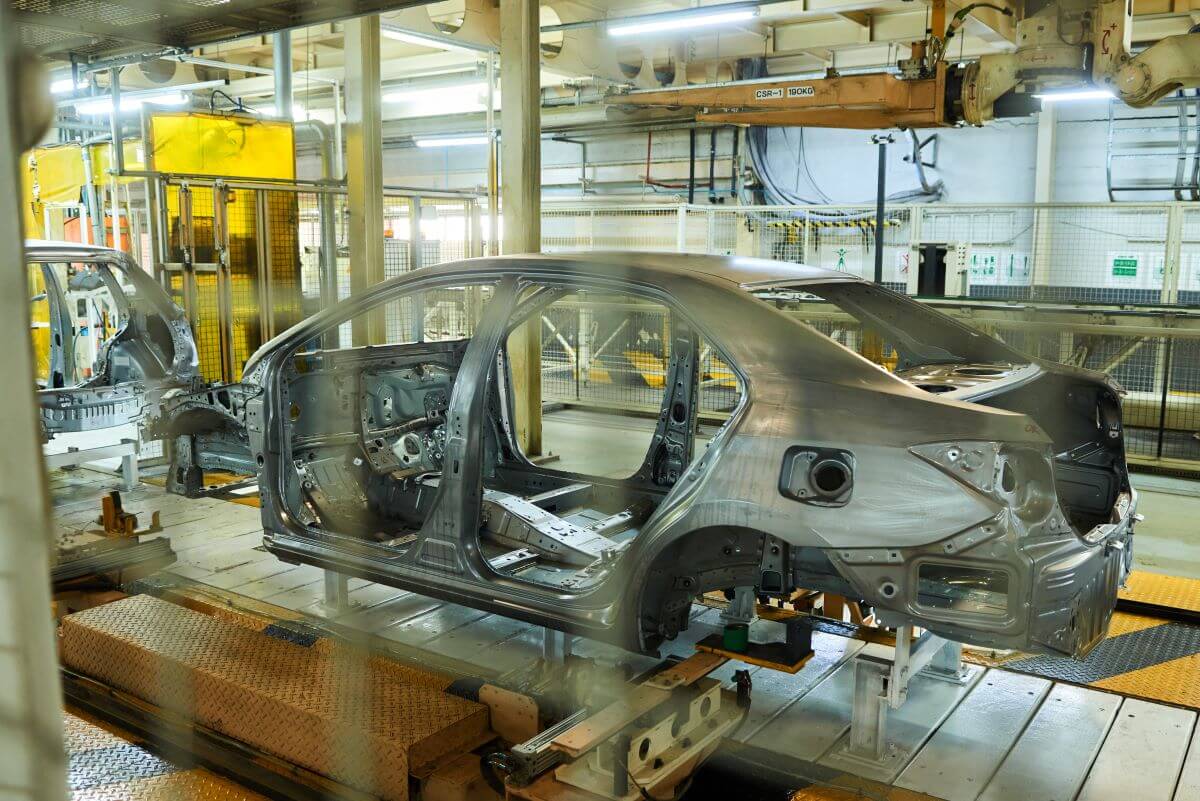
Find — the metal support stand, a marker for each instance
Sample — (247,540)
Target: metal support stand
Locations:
(556,646)
(337,592)
(881,685)
(127,449)
(742,608)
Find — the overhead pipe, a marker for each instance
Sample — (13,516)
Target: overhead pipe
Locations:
(282,62)
(859,5)
(92,198)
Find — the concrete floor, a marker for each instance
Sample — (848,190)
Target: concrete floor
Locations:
(1168,540)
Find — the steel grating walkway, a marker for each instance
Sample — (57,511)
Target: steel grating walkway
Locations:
(986,740)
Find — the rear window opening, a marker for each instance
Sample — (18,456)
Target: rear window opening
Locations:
(927,349)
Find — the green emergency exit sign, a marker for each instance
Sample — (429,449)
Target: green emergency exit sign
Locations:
(1124,267)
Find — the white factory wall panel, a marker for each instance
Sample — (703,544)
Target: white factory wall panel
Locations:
(993,164)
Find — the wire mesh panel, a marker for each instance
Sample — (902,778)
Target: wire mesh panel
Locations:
(836,238)
(612,228)
(247,332)
(1160,375)
(720,386)
(991,249)
(1095,254)
(605,349)
(311,242)
(190,239)
(282,230)
(1086,253)
(445,230)
(1189,257)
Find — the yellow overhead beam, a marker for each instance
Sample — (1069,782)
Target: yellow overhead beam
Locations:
(878,100)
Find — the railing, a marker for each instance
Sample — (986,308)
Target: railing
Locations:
(248,260)
(1117,254)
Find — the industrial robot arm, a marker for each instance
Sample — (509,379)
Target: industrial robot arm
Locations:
(1061,47)
(1169,64)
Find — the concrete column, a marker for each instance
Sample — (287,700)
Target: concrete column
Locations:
(521,194)
(364,168)
(1043,192)
(31,727)
(1043,171)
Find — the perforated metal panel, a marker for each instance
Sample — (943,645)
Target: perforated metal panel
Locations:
(107,28)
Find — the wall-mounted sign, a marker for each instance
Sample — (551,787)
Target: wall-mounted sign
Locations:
(1124,266)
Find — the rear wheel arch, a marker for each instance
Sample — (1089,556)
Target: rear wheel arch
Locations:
(700,561)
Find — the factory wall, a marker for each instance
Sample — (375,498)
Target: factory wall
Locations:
(994,164)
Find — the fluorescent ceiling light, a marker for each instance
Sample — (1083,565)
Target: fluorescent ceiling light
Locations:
(104,105)
(409,38)
(424,101)
(65,86)
(1080,94)
(450,93)
(451,141)
(422,40)
(682,21)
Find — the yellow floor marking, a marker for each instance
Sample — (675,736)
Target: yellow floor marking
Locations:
(1123,623)
(1173,682)
(649,365)
(1155,588)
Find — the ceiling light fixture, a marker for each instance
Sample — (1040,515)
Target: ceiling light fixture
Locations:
(426,40)
(104,105)
(683,20)
(424,100)
(65,86)
(451,141)
(1079,94)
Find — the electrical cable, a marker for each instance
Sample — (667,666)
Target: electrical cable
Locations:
(774,193)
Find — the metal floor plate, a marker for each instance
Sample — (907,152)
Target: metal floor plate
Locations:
(1157,589)
(104,766)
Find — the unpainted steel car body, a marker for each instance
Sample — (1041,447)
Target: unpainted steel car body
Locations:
(967,488)
(140,344)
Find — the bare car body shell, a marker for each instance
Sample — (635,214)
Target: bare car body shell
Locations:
(938,486)
(152,352)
